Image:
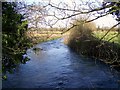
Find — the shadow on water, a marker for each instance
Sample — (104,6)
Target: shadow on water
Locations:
(54,65)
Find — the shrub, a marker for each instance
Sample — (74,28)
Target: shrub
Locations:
(82,40)
(14,40)
(83,31)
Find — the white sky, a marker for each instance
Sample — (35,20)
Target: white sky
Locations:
(106,21)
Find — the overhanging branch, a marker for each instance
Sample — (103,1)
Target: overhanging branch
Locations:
(110,30)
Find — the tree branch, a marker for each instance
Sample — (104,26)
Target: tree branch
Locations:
(97,9)
(110,30)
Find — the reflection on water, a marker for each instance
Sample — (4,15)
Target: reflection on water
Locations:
(56,66)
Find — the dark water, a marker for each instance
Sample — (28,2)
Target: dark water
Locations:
(56,66)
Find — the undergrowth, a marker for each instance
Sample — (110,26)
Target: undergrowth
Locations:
(82,40)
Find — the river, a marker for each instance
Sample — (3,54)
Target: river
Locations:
(56,66)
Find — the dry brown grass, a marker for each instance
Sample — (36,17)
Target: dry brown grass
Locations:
(40,36)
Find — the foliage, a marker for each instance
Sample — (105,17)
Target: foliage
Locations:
(82,40)
(14,41)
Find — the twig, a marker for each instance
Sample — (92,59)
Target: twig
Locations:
(113,37)
(110,30)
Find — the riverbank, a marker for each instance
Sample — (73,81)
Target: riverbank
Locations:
(43,35)
(85,40)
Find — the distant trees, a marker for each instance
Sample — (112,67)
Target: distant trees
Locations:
(14,41)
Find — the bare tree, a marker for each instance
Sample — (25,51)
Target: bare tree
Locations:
(49,14)
(88,9)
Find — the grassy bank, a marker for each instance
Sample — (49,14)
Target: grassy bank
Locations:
(42,36)
(98,34)
(85,40)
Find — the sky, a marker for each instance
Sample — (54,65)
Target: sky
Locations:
(107,21)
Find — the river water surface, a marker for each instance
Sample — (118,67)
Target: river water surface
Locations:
(56,66)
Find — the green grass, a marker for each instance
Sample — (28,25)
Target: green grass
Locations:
(111,34)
